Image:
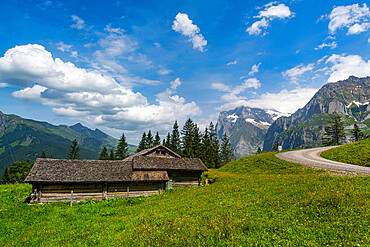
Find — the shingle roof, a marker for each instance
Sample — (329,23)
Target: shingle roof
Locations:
(53,170)
(161,163)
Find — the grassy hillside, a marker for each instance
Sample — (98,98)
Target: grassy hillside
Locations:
(256,201)
(357,153)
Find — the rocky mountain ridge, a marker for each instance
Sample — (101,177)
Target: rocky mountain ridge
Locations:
(305,127)
(245,127)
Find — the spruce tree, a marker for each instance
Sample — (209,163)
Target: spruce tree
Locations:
(43,155)
(259,150)
(226,153)
(5,179)
(167,141)
(197,142)
(149,140)
(215,147)
(122,148)
(187,139)
(206,156)
(104,154)
(334,132)
(74,152)
(175,138)
(142,143)
(357,134)
(157,140)
(112,156)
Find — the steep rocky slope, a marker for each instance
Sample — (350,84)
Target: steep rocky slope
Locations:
(305,127)
(245,127)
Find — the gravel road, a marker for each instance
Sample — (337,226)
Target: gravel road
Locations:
(311,157)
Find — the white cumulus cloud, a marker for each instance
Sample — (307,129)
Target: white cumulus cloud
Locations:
(293,73)
(331,45)
(285,101)
(185,26)
(272,11)
(353,17)
(344,66)
(255,69)
(88,95)
(79,23)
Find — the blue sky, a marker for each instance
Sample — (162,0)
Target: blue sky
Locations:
(135,66)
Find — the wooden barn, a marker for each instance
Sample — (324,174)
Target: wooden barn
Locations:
(147,172)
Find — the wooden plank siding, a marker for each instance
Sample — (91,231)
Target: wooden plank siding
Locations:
(62,192)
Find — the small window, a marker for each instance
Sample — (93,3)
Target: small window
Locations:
(163,152)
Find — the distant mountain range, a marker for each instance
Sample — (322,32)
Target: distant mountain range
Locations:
(25,139)
(250,128)
(246,128)
(305,128)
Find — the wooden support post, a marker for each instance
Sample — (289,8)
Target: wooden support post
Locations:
(19,197)
(70,204)
(128,191)
(39,196)
(105,192)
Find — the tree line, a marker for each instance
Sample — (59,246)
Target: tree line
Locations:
(190,142)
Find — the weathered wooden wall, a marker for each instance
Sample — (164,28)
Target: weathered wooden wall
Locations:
(182,179)
(80,192)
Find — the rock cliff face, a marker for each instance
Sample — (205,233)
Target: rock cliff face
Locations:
(305,127)
(245,127)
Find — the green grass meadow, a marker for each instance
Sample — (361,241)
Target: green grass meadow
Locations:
(357,153)
(255,201)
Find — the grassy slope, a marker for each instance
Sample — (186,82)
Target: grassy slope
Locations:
(258,200)
(357,153)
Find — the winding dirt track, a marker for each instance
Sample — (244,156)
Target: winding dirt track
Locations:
(312,158)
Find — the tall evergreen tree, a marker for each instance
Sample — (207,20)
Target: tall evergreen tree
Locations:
(187,139)
(334,132)
(175,138)
(149,140)
(5,179)
(112,156)
(142,143)
(104,154)
(197,142)
(215,147)
(357,134)
(74,152)
(157,140)
(167,141)
(43,155)
(122,148)
(226,153)
(259,150)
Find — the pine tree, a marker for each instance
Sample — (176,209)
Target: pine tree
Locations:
(149,140)
(157,140)
(104,154)
(259,150)
(43,155)
(215,147)
(74,152)
(334,132)
(142,143)
(122,148)
(5,179)
(206,150)
(197,142)
(275,146)
(226,153)
(167,141)
(112,156)
(175,138)
(187,139)
(357,133)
